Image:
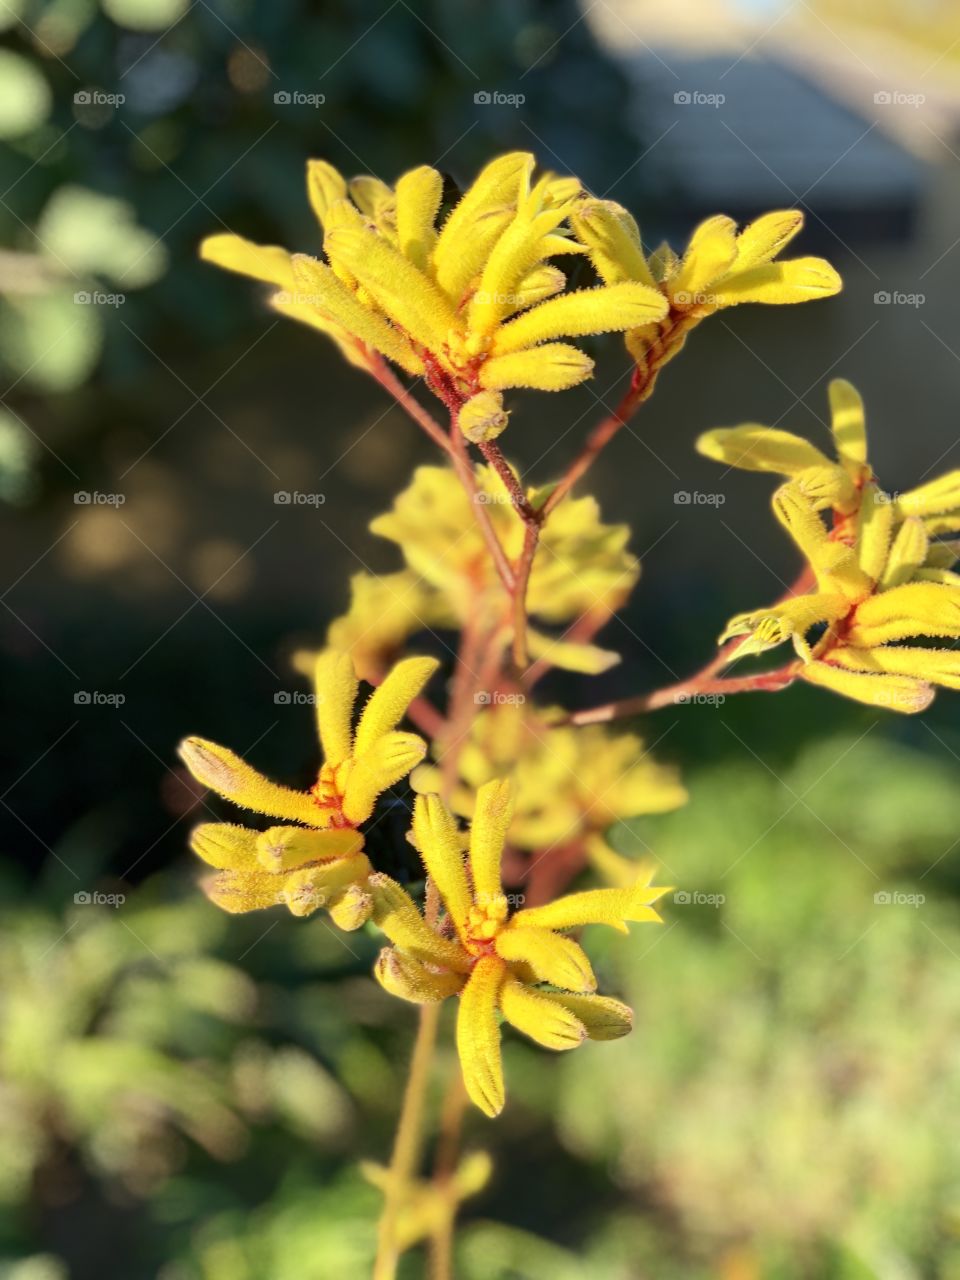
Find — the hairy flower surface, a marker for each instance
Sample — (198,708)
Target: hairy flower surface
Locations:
(839,484)
(568,783)
(877,585)
(316,858)
(879,577)
(582,567)
(520,966)
(470,300)
(721,268)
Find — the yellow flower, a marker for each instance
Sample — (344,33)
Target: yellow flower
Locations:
(473,303)
(521,965)
(568,784)
(721,268)
(582,567)
(840,484)
(877,584)
(319,861)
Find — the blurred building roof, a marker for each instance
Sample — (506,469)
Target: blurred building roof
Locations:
(748,106)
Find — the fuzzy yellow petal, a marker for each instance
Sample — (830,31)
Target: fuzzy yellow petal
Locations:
(335,687)
(391,758)
(753,447)
(833,563)
(874,531)
(605,309)
(538,284)
(477,220)
(612,238)
(325,186)
(372,196)
(307,889)
(767,236)
(524,243)
(546,1022)
(418,202)
(777,283)
(267,262)
(224,772)
(352,908)
(892,693)
(914,609)
(570,655)
(552,367)
(478,1036)
(938,666)
(712,250)
(287,848)
(406,295)
(788,619)
(318,286)
(407,977)
(396,914)
(602,1017)
(595,906)
(488,833)
(389,701)
(225,846)
(238,892)
(848,423)
(934,498)
(437,838)
(550,957)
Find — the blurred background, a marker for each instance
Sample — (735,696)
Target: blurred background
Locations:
(185,1096)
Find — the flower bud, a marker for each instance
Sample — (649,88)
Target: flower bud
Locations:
(483,417)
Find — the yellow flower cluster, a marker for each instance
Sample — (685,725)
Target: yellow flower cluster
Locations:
(474,305)
(568,784)
(721,268)
(879,576)
(472,300)
(582,567)
(316,858)
(521,965)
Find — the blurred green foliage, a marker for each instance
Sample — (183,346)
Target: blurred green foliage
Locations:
(786,1107)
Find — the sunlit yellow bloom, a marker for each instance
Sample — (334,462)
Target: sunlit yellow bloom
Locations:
(878,583)
(721,268)
(839,484)
(316,858)
(470,300)
(521,965)
(582,568)
(568,783)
